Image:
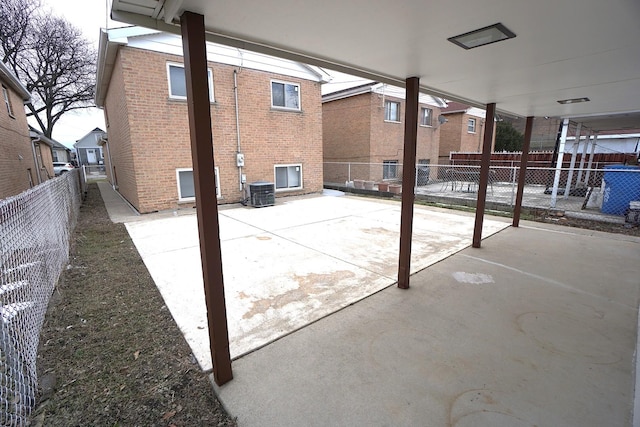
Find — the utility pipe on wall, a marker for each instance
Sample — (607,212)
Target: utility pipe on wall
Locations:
(235,94)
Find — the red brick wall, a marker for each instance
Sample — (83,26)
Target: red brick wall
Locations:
(158,131)
(15,145)
(122,171)
(346,137)
(354,130)
(455,136)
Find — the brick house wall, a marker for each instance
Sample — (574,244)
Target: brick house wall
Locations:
(17,166)
(346,137)
(455,136)
(149,133)
(354,130)
(122,172)
(44,157)
(387,138)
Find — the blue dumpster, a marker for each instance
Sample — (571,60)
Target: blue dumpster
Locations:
(622,185)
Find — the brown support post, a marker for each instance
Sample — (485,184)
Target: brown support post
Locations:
(484,173)
(523,171)
(408,179)
(195,65)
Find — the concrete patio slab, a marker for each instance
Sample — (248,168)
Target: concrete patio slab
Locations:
(291,264)
(537,328)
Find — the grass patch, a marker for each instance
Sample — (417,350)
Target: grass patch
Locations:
(110,344)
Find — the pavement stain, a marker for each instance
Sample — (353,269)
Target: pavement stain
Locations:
(308,284)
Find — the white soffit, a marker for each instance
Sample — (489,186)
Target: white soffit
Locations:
(562,49)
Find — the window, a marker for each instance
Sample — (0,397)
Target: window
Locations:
(391,111)
(288,177)
(425,116)
(178,82)
(285,95)
(389,169)
(471,125)
(7,100)
(186,185)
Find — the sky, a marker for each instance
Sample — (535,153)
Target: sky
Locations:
(89,16)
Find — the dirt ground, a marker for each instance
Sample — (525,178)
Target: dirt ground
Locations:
(110,353)
(591,225)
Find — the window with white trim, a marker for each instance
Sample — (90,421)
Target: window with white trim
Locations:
(285,95)
(186,184)
(389,169)
(288,177)
(178,82)
(426,116)
(471,126)
(7,101)
(391,111)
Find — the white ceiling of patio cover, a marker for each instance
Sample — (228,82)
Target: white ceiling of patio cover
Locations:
(563,48)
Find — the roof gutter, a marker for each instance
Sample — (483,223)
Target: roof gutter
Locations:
(15,84)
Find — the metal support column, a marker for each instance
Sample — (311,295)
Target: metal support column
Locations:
(523,171)
(195,65)
(484,173)
(572,164)
(583,157)
(408,179)
(556,177)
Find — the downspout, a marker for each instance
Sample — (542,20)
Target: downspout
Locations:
(35,158)
(238,151)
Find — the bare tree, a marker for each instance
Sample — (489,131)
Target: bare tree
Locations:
(15,16)
(52,58)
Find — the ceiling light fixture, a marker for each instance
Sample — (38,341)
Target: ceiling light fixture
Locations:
(573,100)
(487,35)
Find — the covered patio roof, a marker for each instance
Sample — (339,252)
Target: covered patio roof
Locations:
(562,50)
(563,58)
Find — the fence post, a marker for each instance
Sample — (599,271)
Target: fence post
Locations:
(349,173)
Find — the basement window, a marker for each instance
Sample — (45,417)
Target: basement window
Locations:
(178,82)
(288,177)
(186,185)
(391,111)
(285,95)
(389,169)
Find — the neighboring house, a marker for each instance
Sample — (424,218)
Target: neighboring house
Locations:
(364,126)
(43,151)
(609,142)
(463,131)
(59,153)
(88,149)
(18,171)
(267,127)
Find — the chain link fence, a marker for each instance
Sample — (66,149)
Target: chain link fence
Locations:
(35,227)
(93,172)
(599,192)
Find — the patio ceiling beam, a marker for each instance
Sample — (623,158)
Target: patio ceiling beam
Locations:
(524,158)
(408,179)
(198,106)
(484,173)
